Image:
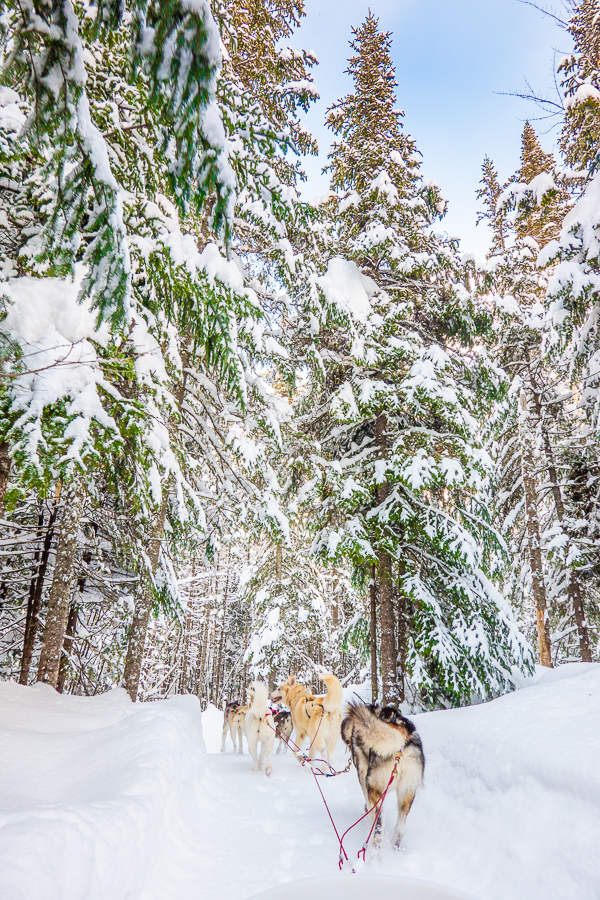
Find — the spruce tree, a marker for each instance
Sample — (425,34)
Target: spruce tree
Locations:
(398,467)
(533,426)
(495,215)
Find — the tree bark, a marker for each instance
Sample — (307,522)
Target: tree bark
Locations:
(4,474)
(373,599)
(60,592)
(574,589)
(386,588)
(70,632)
(533,536)
(36,589)
(402,632)
(139,626)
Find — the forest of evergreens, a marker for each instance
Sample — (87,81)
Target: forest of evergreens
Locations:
(242,432)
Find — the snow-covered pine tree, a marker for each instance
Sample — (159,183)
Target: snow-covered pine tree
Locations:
(399,469)
(304,616)
(278,78)
(181,297)
(489,194)
(533,423)
(573,303)
(580,137)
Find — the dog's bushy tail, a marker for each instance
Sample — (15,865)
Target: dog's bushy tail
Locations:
(332,701)
(259,701)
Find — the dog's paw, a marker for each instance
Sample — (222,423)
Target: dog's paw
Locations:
(268,771)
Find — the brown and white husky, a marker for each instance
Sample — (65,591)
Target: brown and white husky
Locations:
(375,736)
(317,718)
(234,717)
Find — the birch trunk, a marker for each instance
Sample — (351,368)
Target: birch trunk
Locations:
(574,590)
(139,626)
(373,599)
(71,629)
(60,591)
(386,588)
(533,535)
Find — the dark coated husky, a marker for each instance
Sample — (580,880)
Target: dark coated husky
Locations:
(375,736)
(284,728)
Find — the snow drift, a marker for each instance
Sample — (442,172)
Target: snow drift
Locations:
(95,793)
(101,798)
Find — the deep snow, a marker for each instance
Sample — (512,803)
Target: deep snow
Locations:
(100,798)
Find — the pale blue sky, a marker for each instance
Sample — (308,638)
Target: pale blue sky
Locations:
(451,58)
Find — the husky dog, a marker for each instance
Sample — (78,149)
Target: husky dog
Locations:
(317,718)
(260,727)
(234,716)
(284,727)
(375,736)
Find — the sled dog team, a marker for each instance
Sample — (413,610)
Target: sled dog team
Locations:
(378,738)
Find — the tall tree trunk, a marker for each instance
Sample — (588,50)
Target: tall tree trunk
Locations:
(278,564)
(386,587)
(36,589)
(533,535)
(373,599)
(4,474)
(139,626)
(574,589)
(70,632)
(402,632)
(60,592)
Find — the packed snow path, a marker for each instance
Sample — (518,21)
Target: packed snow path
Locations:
(99,799)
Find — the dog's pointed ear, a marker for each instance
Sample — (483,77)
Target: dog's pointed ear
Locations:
(292,679)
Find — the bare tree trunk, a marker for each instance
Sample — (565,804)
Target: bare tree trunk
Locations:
(70,632)
(278,563)
(4,473)
(200,679)
(60,592)
(40,560)
(574,589)
(533,536)
(220,665)
(139,626)
(402,641)
(386,588)
(373,599)
(386,627)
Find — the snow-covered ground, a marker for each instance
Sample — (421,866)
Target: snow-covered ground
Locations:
(105,800)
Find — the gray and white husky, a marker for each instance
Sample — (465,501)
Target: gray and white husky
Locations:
(375,736)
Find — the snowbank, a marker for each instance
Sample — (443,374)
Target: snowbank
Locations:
(101,799)
(96,794)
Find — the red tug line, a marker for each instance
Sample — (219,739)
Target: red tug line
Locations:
(303,759)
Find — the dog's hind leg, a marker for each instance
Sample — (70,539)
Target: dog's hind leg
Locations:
(405,801)
(226,728)
(373,796)
(252,739)
(265,757)
(239,732)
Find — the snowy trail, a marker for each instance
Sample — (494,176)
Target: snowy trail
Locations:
(100,798)
(510,809)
